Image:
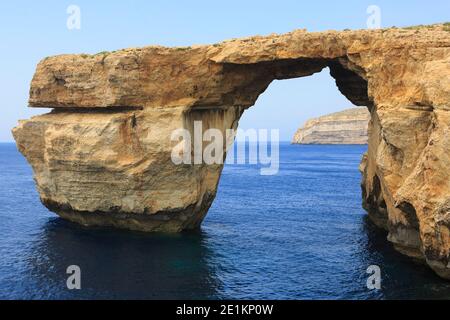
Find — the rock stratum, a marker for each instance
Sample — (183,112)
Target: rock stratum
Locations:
(345,127)
(103,155)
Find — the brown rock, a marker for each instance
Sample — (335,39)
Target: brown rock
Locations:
(103,158)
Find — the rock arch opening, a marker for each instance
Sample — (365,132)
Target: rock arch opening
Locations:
(289,103)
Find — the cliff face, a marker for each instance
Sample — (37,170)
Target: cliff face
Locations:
(344,127)
(103,155)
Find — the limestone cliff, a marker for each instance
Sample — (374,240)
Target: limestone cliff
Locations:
(344,127)
(103,155)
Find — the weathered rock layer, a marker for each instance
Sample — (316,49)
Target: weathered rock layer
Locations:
(103,155)
(345,127)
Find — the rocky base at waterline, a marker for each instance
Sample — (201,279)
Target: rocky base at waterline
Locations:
(106,147)
(345,127)
(165,221)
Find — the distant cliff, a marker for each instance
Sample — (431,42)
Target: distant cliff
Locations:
(344,127)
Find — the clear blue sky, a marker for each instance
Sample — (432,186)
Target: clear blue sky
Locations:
(31,30)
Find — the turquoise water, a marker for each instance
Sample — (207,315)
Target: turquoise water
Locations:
(301,234)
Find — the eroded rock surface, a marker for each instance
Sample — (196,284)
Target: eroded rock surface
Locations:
(102,156)
(344,127)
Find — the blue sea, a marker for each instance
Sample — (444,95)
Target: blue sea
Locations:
(300,234)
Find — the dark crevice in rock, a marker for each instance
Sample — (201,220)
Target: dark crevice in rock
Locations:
(375,205)
(60,81)
(406,236)
(133,121)
(112,109)
(410,214)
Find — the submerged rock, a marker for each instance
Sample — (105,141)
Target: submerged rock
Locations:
(103,155)
(345,127)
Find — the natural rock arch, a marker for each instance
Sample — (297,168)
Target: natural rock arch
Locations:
(102,156)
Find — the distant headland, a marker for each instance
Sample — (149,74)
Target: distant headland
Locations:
(345,127)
